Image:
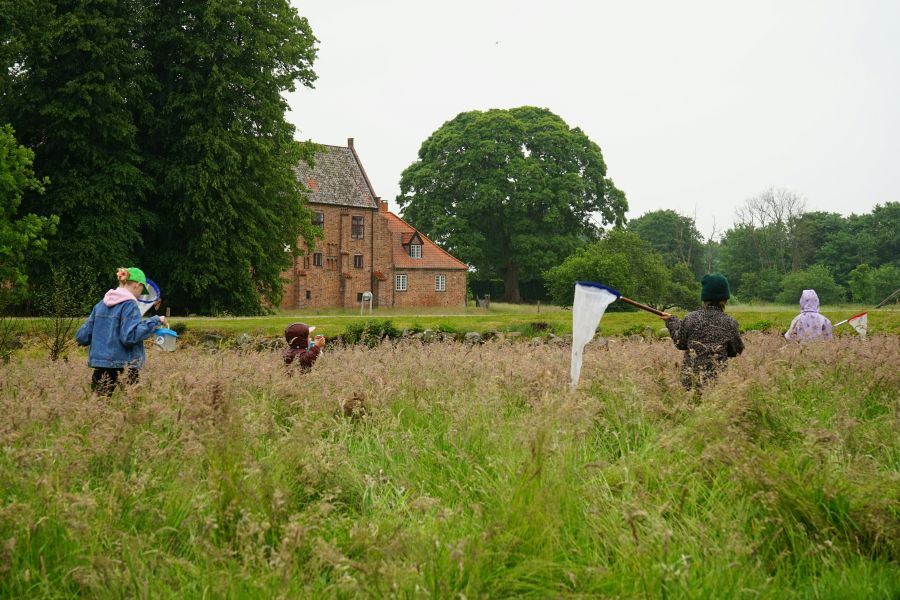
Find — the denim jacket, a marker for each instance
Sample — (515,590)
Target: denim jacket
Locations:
(116,333)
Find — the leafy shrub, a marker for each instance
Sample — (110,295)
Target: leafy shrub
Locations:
(761,285)
(371,332)
(445,328)
(534,329)
(818,278)
(9,337)
(621,260)
(64,304)
(886,280)
(684,289)
(862,284)
(760,326)
(636,329)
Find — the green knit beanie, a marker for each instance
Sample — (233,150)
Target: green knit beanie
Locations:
(715,287)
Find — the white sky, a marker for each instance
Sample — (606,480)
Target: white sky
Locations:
(696,105)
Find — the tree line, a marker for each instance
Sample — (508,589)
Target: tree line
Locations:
(152,133)
(773,252)
(526,201)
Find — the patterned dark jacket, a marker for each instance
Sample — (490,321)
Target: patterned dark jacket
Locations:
(708,337)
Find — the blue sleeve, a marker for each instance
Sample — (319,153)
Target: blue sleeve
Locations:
(85,332)
(132,329)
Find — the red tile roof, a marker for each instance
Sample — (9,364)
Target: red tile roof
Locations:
(433,256)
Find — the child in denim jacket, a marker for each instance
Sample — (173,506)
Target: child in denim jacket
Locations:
(116,333)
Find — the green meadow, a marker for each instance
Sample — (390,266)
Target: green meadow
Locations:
(506,317)
(453,471)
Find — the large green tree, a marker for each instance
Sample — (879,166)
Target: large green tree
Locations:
(675,237)
(73,78)
(221,151)
(510,192)
(162,126)
(814,230)
(25,234)
(871,238)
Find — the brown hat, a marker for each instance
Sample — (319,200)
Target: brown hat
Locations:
(297,335)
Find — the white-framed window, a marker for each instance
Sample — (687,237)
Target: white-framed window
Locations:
(415,250)
(440,283)
(317,259)
(400,282)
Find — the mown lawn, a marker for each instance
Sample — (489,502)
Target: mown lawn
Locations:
(453,471)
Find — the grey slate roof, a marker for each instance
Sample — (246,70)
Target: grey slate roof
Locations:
(336,179)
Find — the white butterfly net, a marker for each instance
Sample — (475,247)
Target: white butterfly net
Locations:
(590,303)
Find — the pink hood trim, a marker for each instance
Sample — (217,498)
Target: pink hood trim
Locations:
(118,296)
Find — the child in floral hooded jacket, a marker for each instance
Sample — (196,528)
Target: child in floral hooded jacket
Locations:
(809,324)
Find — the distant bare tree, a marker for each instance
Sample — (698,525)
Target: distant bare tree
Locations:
(772,206)
(772,218)
(711,247)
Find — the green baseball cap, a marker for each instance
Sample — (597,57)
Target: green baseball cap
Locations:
(135,274)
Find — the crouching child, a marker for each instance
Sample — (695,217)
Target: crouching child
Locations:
(300,351)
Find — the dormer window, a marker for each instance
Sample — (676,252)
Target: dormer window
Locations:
(415,250)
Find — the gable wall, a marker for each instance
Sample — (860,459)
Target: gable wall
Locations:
(337,282)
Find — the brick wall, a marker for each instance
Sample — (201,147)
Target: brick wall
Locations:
(420,288)
(337,282)
(383,262)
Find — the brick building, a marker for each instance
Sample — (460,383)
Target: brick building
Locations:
(365,247)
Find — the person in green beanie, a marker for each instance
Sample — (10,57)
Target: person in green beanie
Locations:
(116,333)
(708,336)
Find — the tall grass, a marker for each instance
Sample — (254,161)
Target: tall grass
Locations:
(455,471)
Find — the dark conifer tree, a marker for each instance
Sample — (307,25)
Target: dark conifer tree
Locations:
(221,151)
(72,83)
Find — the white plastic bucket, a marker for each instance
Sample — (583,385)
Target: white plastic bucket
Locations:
(165,339)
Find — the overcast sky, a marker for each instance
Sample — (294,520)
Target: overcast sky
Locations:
(696,106)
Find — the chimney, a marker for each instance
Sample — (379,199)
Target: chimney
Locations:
(349,142)
(382,204)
